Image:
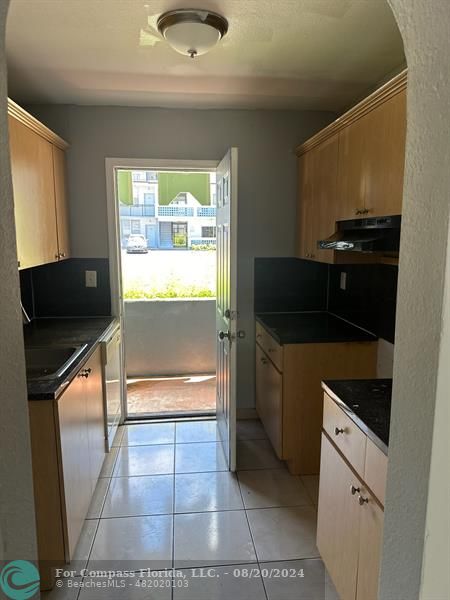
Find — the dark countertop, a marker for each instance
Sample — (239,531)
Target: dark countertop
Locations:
(63,332)
(312,327)
(368,403)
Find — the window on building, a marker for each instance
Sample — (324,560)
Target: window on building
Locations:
(149,198)
(135,226)
(179,235)
(208,232)
(125,225)
(139,176)
(151,176)
(213,189)
(180,198)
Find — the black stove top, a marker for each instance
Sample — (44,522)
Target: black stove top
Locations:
(368,403)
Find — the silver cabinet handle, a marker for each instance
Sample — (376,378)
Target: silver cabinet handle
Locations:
(85,373)
(224,334)
(363,500)
(338,430)
(354,490)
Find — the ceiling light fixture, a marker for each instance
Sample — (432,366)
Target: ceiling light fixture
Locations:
(192,31)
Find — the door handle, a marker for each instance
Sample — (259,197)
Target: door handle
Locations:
(224,334)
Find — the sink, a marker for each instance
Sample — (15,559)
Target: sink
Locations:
(50,362)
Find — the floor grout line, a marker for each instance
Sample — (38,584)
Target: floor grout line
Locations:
(251,536)
(173,514)
(200,512)
(172,592)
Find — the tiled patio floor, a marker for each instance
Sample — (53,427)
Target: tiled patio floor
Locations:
(171,394)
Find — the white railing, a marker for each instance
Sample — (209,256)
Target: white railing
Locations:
(175,211)
(206,211)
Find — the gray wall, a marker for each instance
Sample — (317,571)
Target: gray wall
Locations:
(267,178)
(166,337)
(17,522)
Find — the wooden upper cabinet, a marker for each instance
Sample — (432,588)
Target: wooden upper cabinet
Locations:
(317,199)
(34,196)
(353,168)
(350,182)
(62,216)
(38,178)
(384,157)
(304,207)
(324,196)
(371,162)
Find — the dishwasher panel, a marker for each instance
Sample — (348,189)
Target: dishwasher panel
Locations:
(112,385)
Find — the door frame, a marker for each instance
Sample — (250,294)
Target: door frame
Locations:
(114,251)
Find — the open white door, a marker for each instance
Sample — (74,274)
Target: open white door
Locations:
(226,311)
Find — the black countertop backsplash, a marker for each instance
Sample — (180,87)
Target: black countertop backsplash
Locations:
(311,327)
(289,285)
(59,289)
(295,285)
(369,299)
(63,332)
(368,403)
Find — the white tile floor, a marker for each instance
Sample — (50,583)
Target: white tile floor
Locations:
(166,500)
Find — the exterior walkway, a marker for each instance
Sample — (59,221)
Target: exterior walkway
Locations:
(196,393)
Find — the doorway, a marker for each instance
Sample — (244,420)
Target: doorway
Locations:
(215,240)
(167,274)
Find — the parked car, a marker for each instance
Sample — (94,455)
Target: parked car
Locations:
(137,244)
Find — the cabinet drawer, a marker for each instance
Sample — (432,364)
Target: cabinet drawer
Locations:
(269,400)
(350,440)
(375,470)
(273,350)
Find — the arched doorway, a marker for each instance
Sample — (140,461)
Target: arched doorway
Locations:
(424,27)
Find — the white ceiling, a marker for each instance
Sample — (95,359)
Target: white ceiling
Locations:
(298,54)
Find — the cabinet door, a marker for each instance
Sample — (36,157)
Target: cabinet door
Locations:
(269,399)
(350,181)
(384,157)
(370,542)
(75,458)
(62,216)
(304,205)
(324,191)
(338,521)
(34,196)
(95,416)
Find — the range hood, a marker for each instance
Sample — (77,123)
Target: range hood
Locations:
(377,234)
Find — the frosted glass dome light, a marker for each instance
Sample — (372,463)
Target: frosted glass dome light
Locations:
(192,32)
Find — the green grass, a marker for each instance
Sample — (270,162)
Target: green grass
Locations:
(171,290)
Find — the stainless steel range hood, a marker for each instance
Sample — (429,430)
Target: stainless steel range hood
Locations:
(377,234)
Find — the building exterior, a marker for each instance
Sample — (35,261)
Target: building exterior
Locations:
(172,210)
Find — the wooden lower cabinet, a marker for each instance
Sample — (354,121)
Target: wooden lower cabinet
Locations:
(95,417)
(370,542)
(68,449)
(76,480)
(289,399)
(269,399)
(349,531)
(338,522)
